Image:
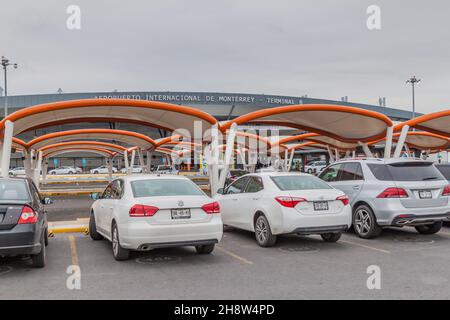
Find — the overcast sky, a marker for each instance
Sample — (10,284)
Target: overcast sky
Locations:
(319,48)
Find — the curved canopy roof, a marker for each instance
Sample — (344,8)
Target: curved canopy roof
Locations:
(151,113)
(100,151)
(343,123)
(319,139)
(82,145)
(437,122)
(421,140)
(127,137)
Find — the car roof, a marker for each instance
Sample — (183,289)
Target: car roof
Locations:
(136,177)
(277,174)
(382,161)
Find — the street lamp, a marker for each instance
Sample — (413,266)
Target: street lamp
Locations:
(413,80)
(5,64)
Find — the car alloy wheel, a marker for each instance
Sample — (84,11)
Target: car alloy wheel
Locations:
(261,230)
(115,241)
(363,221)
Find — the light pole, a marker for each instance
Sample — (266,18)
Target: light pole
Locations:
(413,80)
(5,64)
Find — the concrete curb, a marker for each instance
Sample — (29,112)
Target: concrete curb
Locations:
(69,192)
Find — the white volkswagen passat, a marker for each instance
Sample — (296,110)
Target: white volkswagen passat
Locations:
(275,203)
(144,212)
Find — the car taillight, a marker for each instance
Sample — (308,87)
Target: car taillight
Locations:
(344,199)
(211,208)
(446,191)
(289,202)
(139,210)
(28,216)
(393,193)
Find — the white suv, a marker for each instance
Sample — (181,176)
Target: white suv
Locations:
(315,167)
(392,192)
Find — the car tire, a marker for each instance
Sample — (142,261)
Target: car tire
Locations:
(95,172)
(365,223)
(309,171)
(93,229)
(38,260)
(331,237)
(46,237)
(205,249)
(120,254)
(429,228)
(263,233)
(53,172)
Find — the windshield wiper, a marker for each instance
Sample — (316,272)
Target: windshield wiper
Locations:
(430,178)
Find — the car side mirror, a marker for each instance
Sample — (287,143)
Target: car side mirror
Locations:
(220,191)
(95,196)
(47,201)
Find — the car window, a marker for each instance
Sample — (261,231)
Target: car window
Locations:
(237,187)
(35,193)
(406,171)
(14,190)
(107,194)
(164,187)
(351,171)
(331,174)
(254,184)
(445,170)
(116,189)
(300,182)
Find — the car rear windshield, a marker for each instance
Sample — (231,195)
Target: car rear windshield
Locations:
(445,170)
(288,183)
(13,190)
(164,187)
(406,171)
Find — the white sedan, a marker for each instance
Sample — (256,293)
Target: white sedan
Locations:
(275,203)
(18,171)
(143,212)
(102,169)
(135,169)
(65,170)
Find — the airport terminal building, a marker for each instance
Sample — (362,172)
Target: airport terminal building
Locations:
(223,106)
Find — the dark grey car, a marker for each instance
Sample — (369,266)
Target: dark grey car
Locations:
(23,220)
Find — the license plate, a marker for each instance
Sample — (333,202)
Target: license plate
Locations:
(425,194)
(321,206)
(181,213)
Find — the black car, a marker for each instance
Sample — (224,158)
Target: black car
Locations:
(444,168)
(23,220)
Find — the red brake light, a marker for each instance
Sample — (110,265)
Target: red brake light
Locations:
(344,199)
(289,202)
(139,210)
(393,193)
(211,208)
(28,215)
(446,191)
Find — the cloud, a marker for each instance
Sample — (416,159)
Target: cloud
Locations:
(255,46)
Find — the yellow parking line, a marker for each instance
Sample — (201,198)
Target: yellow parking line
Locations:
(235,256)
(73,250)
(364,246)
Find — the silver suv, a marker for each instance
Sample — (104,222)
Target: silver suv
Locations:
(392,192)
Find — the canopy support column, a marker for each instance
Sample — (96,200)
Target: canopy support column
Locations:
(44,171)
(149,162)
(125,160)
(141,159)
(110,170)
(291,158)
(388,146)
(133,157)
(231,136)
(330,154)
(6,152)
(336,154)
(401,141)
(37,169)
(366,149)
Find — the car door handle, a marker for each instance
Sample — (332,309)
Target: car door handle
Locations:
(355,187)
(234,199)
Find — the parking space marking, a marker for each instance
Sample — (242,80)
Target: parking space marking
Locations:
(73,250)
(235,256)
(364,246)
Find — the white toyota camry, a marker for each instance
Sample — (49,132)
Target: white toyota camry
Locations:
(275,203)
(144,212)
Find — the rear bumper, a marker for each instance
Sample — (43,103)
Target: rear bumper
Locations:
(321,230)
(411,220)
(20,240)
(135,236)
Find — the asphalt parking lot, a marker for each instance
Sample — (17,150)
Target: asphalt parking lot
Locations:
(413,266)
